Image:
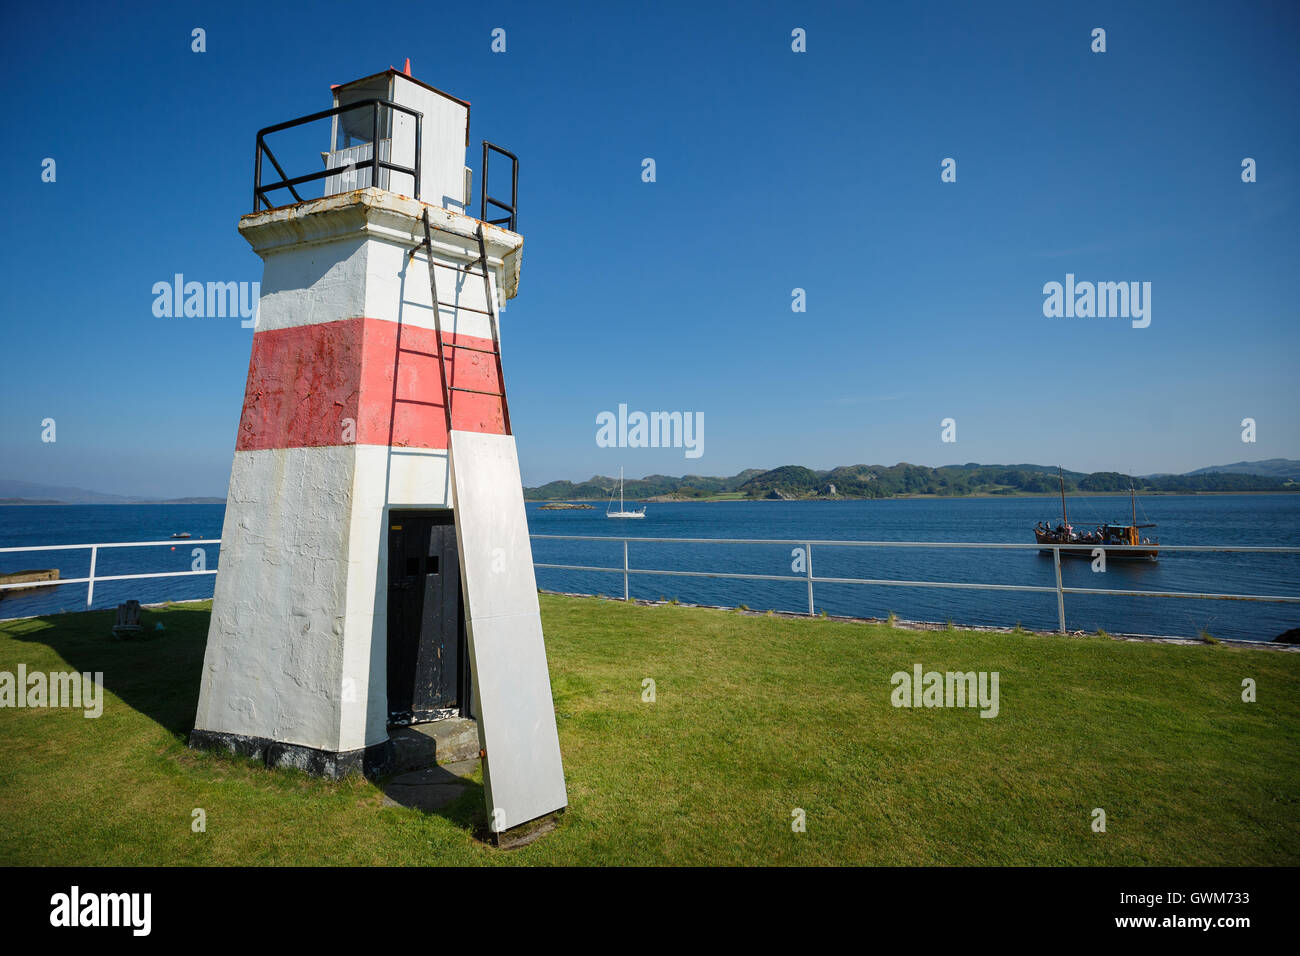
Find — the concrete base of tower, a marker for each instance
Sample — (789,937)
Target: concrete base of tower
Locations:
(372,761)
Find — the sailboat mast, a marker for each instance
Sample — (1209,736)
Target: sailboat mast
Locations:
(620,490)
(1065,518)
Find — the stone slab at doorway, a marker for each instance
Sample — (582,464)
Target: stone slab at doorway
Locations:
(437,743)
(432,762)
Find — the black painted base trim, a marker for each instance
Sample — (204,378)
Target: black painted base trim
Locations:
(372,761)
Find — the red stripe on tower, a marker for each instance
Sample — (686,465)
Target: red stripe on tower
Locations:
(303,390)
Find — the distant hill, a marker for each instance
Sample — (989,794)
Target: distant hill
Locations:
(14,492)
(888,481)
(56,493)
(598,486)
(1283,468)
(796,481)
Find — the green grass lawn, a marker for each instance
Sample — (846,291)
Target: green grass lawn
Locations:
(753,717)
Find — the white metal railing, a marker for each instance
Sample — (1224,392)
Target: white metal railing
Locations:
(810,579)
(92,577)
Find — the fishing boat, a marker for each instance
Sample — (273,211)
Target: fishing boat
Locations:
(181,534)
(622,512)
(1103,536)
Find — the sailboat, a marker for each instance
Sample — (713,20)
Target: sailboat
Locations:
(1105,535)
(621,512)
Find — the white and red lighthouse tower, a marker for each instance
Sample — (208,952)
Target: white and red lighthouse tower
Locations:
(375,563)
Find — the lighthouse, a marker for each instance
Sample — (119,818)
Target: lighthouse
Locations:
(375,564)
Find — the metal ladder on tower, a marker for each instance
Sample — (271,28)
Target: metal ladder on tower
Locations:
(523,773)
(519,743)
(490,312)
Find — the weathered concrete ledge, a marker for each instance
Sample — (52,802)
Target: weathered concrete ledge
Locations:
(37,578)
(380,214)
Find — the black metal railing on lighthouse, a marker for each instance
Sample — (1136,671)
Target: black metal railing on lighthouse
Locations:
(375,162)
(511,219)
(350,173)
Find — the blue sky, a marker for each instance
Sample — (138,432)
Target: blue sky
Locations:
(775,170)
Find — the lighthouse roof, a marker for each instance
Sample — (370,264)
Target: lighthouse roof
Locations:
(393,71)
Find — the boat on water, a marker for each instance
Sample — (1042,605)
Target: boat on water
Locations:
(622,511)
(1103,536)
(181,534)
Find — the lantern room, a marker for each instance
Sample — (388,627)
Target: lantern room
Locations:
(440,139)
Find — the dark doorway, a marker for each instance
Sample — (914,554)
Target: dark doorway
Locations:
(427,673)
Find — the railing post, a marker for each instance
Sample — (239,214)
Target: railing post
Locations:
(374,153)
(1060,594)
(90,585)
(482,196)
(625,592)
(514,196)
(418,120)
(257,176)
(808,568)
